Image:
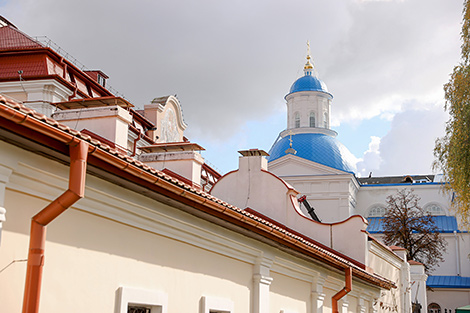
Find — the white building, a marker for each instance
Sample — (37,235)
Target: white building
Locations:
(309,157)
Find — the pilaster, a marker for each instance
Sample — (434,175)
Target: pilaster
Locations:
(5,173)
(317,297)
(343,305)
(261,282)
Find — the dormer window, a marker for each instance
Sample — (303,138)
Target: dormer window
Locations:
(98,76)
(101,80)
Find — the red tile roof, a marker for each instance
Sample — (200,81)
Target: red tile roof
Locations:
(32,65)
(11,38)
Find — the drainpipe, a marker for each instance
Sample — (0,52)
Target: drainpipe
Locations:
(134,148)
(76,191)
(457,249)
(74,94)
(342,292)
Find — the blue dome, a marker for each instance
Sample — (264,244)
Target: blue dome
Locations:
(308,83)
(319,148)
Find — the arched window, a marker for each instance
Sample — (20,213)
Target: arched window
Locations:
(434,308)
(312,119)
(434,209)
(297,119)
(377,211)
(325,120)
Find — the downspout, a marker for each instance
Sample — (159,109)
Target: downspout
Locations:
(76,191)
(74,94)
(134,148)
(347,288)
(457,249)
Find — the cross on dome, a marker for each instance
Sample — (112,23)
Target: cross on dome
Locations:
(308,66)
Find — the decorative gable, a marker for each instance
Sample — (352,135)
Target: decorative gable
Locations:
(167,115)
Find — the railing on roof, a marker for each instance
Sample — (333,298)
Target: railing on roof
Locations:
(48,43)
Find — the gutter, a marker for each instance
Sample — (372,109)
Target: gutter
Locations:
(37,243)
(342,292)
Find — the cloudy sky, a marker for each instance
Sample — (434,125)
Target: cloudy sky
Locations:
(231,63)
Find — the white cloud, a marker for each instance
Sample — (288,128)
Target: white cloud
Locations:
(371,160)
(232,62)
(408,147)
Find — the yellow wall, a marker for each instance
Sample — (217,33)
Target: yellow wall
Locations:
(289,294)
(116,237)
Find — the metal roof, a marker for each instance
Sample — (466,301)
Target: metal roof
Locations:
(448,282)
(319,148)
(445,224)
(308,83)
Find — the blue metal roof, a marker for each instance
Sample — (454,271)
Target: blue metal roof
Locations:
(445,224)
(319,148)
(308,83)
(448,282)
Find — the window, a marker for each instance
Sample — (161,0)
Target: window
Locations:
(377,211)
(312,119)
(434,209)
(297,119)
(434,308)
(325,120)
(101,80)
(138,309)
(216,305)
(132,300)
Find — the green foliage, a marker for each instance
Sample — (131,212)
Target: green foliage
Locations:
(408,226)
(452,151)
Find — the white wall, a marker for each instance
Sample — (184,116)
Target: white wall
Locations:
(117,238)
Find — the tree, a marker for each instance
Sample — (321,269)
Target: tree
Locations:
(452,151)
(407,225)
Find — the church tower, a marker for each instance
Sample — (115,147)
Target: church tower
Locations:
(307,154)
(308,102)
(308,134)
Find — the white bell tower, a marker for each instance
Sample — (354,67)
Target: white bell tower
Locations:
(308,102)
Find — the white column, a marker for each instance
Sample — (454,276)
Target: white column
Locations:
(5,173)
(317,297)
(261,283)
(418,291)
